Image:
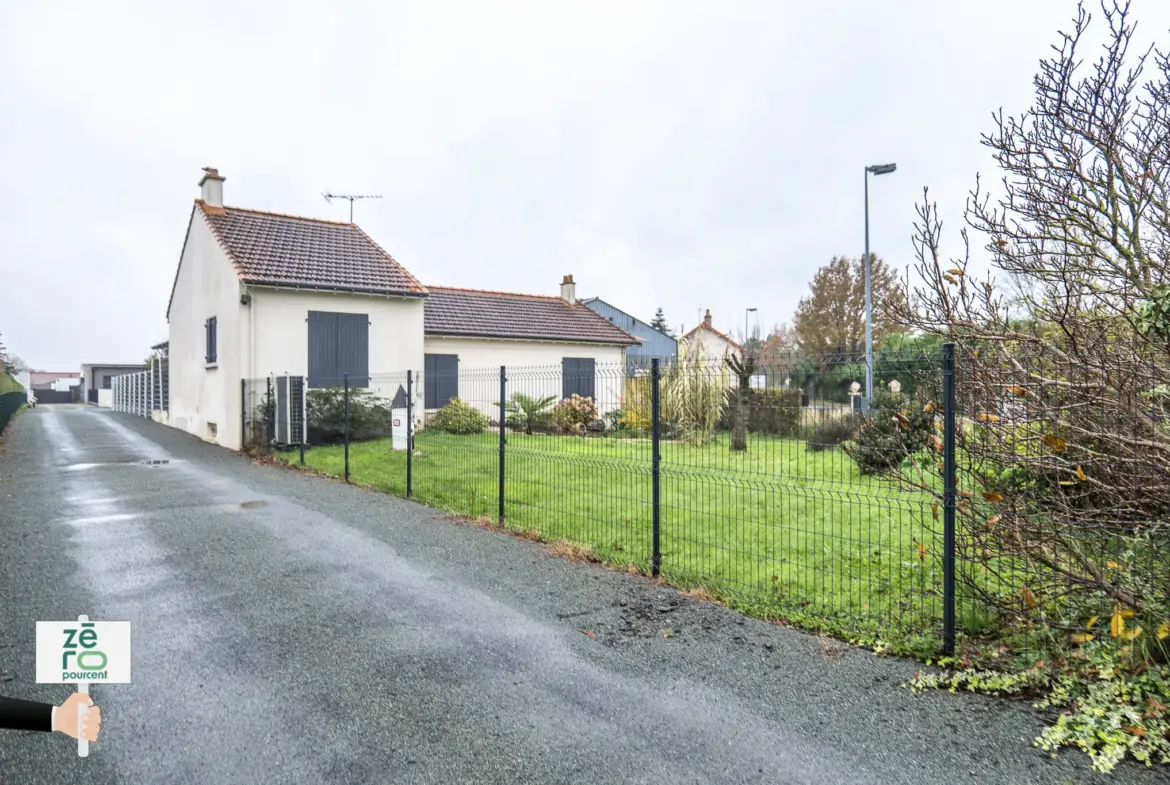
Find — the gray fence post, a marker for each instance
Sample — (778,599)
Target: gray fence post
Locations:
(305,421)
(243,414)
(949,498)
(346,427)
(409,430)
(655,472)
(503,437)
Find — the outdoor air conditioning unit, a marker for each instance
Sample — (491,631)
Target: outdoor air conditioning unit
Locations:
(290,411)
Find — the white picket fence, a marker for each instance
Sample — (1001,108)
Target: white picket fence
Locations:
(143,392)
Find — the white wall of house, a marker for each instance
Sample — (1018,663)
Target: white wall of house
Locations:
(709,345)
(534,368)
(60,385)
(281,324)
(105,398)
(205,400)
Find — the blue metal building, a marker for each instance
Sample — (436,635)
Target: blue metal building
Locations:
(654,343)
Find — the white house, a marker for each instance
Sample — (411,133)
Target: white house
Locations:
(259,293)
(709,342)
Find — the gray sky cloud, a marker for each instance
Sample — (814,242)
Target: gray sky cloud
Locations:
(682,154)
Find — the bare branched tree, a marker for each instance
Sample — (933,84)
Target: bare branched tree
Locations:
(1066,454)
(743,365)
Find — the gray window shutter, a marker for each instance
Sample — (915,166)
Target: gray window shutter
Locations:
(448,368)
(430,391)
(353,347)
(578,375)
(440,379)
(323,370)
(209,334)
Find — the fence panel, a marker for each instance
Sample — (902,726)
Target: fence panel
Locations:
(787,497)
(10,403)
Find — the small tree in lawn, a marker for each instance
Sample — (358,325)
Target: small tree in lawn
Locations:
(743,366)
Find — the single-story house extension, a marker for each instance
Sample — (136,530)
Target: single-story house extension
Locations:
(97,381)
(550,345)
(709,342)
(259,293)
(655,344)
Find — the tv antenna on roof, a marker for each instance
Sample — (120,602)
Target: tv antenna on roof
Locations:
(351,198)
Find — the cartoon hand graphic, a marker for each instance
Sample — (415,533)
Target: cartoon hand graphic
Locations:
(65,718)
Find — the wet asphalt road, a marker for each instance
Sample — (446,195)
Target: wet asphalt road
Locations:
(290,629)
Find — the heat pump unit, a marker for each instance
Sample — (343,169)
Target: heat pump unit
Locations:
(290,410)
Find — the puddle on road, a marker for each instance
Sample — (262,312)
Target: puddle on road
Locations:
(251,504)
(77,467)
(103,519)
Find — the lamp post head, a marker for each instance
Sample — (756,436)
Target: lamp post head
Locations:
(881,168)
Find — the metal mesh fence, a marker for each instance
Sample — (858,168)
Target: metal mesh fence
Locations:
(971,492)
(768,486)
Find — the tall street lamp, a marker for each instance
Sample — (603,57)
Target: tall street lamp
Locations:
(746,311)
(875,169)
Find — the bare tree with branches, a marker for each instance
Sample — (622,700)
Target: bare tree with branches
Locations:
(1065,477)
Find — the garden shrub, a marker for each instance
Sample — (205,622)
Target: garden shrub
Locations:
(895,427)
(637,407)
(830,432)
(693,395)
(369,416)
(459,418)
(774,411)
(574,410)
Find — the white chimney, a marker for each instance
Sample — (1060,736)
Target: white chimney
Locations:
(212,185)
(569,290)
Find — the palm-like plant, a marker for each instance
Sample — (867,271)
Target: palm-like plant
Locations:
(526,411)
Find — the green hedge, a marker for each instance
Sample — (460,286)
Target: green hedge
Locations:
(773,411)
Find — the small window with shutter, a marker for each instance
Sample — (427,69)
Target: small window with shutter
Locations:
(209,329)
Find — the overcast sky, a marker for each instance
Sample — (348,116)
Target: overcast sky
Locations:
(680,154)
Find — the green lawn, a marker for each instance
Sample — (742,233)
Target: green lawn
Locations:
(780,530)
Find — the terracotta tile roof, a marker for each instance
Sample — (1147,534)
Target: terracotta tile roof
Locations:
(286,250)
(487,314)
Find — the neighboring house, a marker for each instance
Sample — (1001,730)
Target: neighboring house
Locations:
(260,293)
(48,380)
(550,345)
(654,344)
(709,342)
(97,381)
(53,386)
